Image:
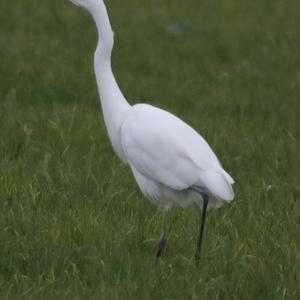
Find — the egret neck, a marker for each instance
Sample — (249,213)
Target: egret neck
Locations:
(114,105)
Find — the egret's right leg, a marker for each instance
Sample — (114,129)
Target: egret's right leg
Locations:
(163,235)
(202,222)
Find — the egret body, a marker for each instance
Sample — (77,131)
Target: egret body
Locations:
(171,163)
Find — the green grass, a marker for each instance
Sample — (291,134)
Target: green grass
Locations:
(73,222)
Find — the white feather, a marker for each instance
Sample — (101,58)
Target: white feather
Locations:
(165,150)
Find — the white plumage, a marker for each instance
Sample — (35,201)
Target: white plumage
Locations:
(168,158)
(170,161)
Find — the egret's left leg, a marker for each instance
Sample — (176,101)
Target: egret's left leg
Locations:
(163,235)
(204,207)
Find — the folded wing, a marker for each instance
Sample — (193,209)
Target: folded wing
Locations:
(164,148)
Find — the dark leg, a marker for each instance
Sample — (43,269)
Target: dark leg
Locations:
(163,236)
(205,202)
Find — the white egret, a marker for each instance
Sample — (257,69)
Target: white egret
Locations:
(171,162)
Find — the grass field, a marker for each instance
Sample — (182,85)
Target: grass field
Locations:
(73,222)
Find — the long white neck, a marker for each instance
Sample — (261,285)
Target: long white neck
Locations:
(114,105)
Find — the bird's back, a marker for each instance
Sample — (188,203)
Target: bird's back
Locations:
(163,148)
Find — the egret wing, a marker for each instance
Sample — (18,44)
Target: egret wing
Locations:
(164,148)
